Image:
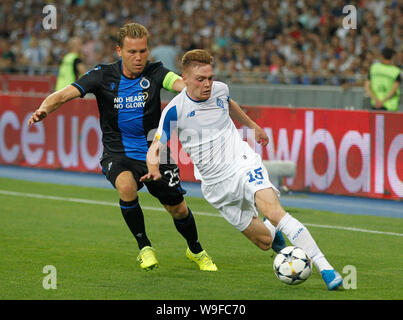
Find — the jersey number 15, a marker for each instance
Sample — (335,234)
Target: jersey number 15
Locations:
(257,176)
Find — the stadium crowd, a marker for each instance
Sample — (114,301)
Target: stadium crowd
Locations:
(276,41)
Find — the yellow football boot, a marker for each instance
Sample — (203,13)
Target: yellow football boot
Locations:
(202,259)
(147,258)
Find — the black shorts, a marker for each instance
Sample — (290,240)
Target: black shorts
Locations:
(168,190)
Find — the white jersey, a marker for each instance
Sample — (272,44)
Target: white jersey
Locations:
(207,133)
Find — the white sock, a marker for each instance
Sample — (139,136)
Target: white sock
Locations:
(271,228)
(299,236)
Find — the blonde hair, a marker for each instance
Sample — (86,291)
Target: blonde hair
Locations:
(132,30)
(196,56)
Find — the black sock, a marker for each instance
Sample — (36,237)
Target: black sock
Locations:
(134,218)
(187,228)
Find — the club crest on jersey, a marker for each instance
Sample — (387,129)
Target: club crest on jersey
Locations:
(144,83)
(220,103)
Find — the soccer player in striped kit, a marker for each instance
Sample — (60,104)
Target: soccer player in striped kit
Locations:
(128,98)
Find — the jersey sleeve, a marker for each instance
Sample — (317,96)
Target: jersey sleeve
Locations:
(168,123)
(169,81)
(90,81)
(223,87)
(166,78)
(227,93)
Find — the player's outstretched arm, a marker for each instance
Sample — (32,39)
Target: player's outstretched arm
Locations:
(178,85)
(237,114)
(52,102)
(173,82)
(153,162)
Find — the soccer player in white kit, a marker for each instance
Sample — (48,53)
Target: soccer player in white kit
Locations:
(232,175)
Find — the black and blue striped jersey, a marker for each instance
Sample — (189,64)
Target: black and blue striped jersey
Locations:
(129,109)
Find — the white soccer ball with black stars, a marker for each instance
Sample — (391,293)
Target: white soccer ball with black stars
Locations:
(292,265)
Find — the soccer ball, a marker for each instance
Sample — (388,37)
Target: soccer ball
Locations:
(292,265)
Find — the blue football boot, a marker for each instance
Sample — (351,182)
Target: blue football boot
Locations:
(278,242)
(332,279)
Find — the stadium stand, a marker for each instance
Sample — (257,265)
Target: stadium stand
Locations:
(254,41)
(274,54)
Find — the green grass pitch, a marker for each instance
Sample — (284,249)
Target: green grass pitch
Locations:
(95,254)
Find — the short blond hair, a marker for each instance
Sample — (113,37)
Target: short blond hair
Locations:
(132,30)
(195,57)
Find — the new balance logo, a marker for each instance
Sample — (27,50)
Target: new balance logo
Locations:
(191,114)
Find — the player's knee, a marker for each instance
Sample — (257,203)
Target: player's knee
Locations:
(264,242)
(127,191)
(264,246)
(126,186)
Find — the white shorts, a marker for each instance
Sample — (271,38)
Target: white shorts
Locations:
(234,197)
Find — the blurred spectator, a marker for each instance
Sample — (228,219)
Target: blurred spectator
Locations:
(34,55)
(72,66)
(245,36)
(383,83)
(7,57)
(166,53)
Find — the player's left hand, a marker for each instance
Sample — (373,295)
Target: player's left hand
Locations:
(151,176)
(261,137)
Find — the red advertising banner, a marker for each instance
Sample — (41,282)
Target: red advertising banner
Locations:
(336,151)
(68,139)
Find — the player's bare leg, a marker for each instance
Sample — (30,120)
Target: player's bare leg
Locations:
(267,202)
(277,212)
(126,186)
(259,234)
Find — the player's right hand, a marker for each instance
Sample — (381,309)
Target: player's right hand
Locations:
(37,116)
(261,136)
